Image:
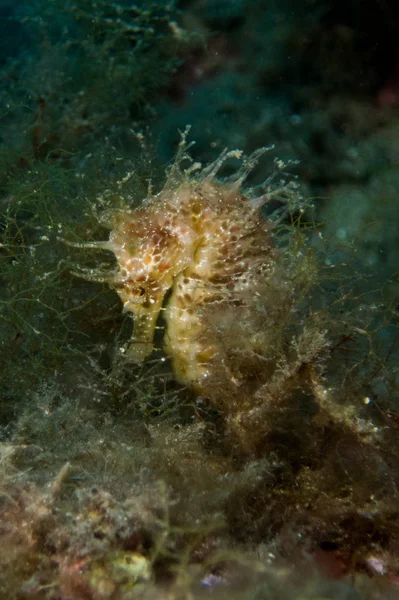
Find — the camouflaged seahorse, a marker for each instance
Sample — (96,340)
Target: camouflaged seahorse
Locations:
(205,241)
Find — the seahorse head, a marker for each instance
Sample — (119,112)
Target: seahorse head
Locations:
(151,246)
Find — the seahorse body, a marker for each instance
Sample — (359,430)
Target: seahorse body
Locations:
(203,241)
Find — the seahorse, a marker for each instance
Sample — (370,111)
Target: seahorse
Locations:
(198,247)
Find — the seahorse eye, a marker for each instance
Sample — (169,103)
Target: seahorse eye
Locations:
(139,292)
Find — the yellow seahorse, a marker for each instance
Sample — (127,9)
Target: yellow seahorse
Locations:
(203,239)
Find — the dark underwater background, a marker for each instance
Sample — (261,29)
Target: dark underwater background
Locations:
(116,482)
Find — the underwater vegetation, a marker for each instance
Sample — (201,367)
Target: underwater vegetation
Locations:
(273,461)
(198,377)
